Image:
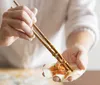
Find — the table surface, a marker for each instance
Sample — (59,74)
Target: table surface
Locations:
(9,76)
(34,77)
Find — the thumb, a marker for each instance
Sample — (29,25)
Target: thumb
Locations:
(82,60)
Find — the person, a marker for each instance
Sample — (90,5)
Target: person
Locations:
(70,25)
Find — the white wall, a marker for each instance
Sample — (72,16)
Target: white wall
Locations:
(94,55)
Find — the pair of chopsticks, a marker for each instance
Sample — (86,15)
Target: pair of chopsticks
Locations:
(48,45)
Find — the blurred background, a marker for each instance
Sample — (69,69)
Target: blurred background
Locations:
(94,55)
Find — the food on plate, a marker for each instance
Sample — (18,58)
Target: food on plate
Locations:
(58,73)
(55,71)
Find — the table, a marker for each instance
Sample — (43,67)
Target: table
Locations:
(34,75)
(11,76)
(89,78)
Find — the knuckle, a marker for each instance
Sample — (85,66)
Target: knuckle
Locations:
(4,21)
(23,7)
(22,13)
(5,14)
(22,23)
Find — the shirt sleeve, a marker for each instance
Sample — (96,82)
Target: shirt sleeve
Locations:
(80,15)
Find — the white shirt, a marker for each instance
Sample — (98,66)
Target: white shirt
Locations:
(57,19)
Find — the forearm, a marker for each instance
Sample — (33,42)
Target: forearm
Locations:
(83,38)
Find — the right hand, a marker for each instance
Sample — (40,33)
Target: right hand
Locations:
(17,23)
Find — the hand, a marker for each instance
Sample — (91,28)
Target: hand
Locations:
(78,59)
(17,23)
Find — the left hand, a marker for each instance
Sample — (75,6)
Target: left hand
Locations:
(76,55)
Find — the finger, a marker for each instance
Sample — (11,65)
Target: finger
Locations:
(17,34)
(73,59)
(79,61)
(20,25)
(75,75)
(69,57)
(28,11)
(19,14)
(25,8)
(24,36)
(66,55)
(35,11)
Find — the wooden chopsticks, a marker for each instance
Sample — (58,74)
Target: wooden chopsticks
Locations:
(48,45)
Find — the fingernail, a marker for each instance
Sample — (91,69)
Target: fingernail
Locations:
(31,32)
(35,11)
(27,38)
(30,39)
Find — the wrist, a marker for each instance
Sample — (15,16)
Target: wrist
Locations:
(81,38)
(85,47)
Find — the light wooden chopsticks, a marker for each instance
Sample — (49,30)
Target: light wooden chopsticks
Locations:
(48,45)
